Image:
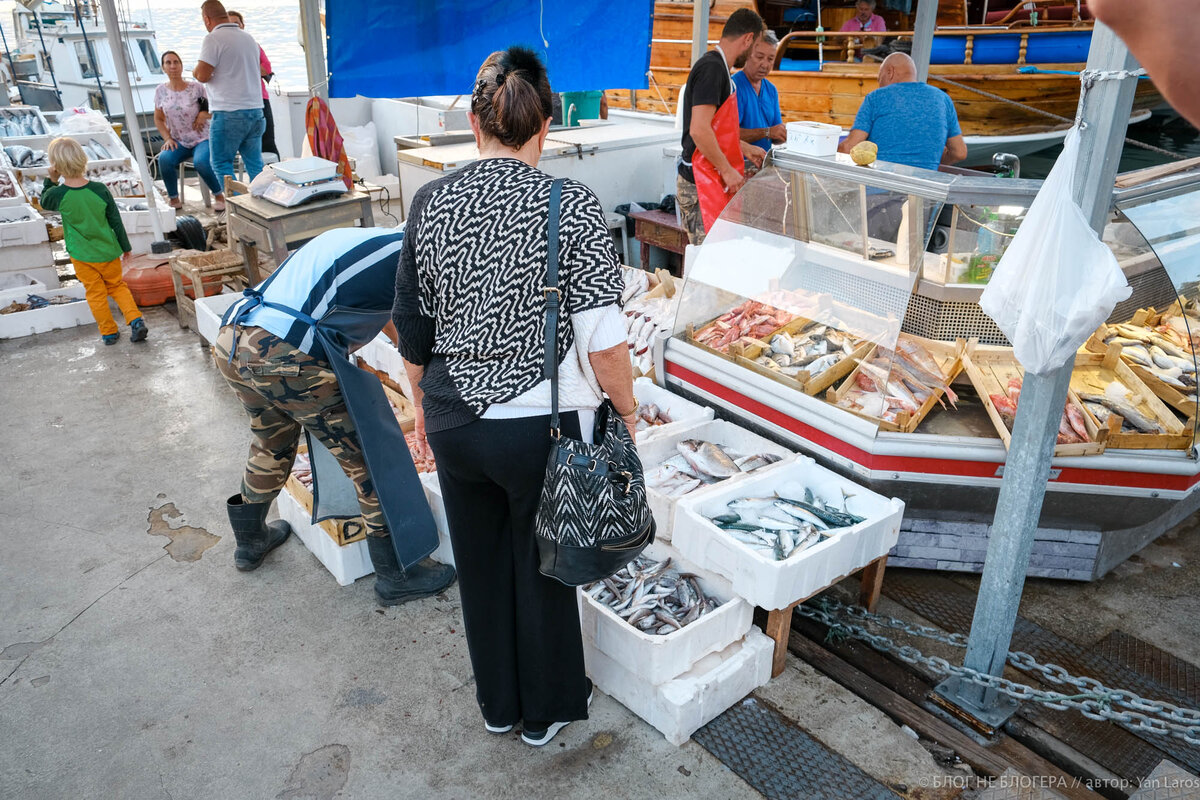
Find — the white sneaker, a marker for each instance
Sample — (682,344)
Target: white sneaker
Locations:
(497,729)
(540,738)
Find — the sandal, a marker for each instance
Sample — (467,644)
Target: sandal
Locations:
(218,204)
(174,202)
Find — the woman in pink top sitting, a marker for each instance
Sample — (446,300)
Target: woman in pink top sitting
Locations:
(865,19)
(264,68)
(181,116)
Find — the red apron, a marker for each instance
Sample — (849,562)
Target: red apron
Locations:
(709,188)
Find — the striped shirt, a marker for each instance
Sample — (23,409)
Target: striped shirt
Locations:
(352,268)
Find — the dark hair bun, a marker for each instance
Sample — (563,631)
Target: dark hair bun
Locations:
(512,98)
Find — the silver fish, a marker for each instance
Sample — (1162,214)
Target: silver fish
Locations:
(653,597)
(708,458)
(1127,412)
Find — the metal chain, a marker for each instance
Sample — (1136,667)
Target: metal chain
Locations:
(1051,114)
(1092,698)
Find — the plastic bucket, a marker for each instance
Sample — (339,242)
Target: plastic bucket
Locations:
(586,106)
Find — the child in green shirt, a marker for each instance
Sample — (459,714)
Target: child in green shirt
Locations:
(95,238)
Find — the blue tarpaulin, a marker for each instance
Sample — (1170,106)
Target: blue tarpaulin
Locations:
(407,48)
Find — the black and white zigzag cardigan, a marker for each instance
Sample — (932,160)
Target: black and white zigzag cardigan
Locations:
(469,303)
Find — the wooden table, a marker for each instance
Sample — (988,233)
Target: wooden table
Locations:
(779,622)
(256,224)
(660,229)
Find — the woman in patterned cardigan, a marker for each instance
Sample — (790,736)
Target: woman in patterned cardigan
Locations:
(469,310)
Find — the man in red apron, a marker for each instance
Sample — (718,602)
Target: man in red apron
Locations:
(710,169)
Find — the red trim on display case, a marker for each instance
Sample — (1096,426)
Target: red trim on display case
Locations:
(929,466)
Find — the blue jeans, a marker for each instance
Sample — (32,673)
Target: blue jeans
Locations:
(234,132)
(169,161)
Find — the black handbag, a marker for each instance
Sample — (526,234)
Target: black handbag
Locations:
(593,517)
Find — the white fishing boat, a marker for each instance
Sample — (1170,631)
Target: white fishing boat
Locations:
(61,58)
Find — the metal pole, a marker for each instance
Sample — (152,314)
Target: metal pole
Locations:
(1106,110)
(699,29)
(112,27)
(11,67)
(91,54)
(314,48)
(37,19)
(923,37)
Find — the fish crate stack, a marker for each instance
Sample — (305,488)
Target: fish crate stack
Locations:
(675,669)
(25,246)
(649,303)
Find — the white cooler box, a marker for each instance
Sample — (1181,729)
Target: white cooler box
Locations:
(661,447)
(209,311)
(433,493)
(25,242)
(50,318)
(681,706)
(654,658)
(684,414)
(346,563)
(772,584)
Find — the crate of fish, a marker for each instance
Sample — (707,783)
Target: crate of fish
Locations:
(997,378)
(10,189)
(805,355)
(103,149)
(137,217)
(788,533)
(648,314)
(24,241)
(1120,401)
(682,464)
(660,615)
(661,413)
(22,121)
(1159,348)
(747,322)
(897,387)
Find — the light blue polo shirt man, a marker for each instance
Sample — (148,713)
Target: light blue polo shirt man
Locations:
(757,109)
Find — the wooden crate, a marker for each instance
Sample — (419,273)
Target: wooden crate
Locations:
(406,412)
(1093,372)
(744,355)
(991,368)
(1171,395)
(948,356)
(662,284)
(343,531)
(692,329)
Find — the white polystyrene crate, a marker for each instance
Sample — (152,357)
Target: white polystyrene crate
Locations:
(656,658)
(683,413)
(22,225)
(17,294)
(346,563)
(382,355)
(18,198)
(680,707)
(50,318)
(210,310)
(433,493)
(656,450)
(40,125)
(772,584)
(119,155)
(142,220)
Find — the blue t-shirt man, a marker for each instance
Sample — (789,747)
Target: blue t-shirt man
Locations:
(912,123)
(757,109)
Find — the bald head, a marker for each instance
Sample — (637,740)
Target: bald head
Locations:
(897,68)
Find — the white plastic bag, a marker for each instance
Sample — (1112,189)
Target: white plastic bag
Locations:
(83,120)
(360,145)
(1056,281)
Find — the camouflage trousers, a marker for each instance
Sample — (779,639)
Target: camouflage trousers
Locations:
(286,391)
(689,209)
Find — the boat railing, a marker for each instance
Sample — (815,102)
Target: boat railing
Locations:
(850,46)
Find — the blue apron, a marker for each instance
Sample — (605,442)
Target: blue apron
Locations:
(389,462)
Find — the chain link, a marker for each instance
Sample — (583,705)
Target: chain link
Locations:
(1091,697)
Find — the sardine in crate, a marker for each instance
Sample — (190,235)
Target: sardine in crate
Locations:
(772,584)
(684,413)
(658,449)
(657,658)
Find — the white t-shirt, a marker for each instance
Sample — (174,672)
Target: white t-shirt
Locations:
(235,84)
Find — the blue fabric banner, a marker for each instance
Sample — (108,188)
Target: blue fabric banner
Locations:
(408,48)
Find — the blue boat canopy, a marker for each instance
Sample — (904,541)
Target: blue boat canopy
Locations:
(407,48)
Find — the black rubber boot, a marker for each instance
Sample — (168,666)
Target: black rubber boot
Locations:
(394,585)
(254,538)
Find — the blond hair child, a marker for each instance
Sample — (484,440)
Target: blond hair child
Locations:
(95,238)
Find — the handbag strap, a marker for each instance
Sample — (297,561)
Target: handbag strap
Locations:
(553,302)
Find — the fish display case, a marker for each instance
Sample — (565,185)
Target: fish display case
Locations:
(835,308)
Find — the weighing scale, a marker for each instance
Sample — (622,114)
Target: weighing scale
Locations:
(304,179)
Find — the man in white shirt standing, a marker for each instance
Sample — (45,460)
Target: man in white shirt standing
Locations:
(228,66)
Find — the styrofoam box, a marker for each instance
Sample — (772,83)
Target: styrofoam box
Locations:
(680,707)
(346,563)
(120,155)
(656,658)
(382,355)
(683,413)
(22,111)
(657,450)
(22,224)
(813,138)
(46,277)
(774,584)
(143,221)
(26,257)
(17,294)
(50,318)
(433,494)
(209,311)
(19,200)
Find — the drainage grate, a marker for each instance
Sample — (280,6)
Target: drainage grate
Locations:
(1131,754)
(767,750)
